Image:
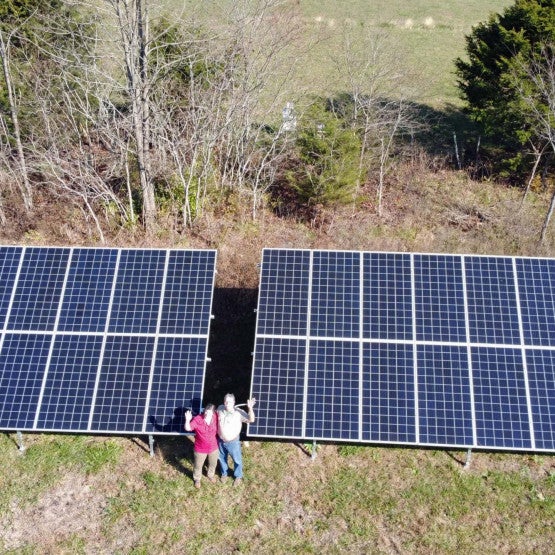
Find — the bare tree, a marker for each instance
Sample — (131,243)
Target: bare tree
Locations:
(534,80)
(380,92)
(147,100)
(23,178)
(258,37)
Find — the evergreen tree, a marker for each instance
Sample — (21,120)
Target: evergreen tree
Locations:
(496,50)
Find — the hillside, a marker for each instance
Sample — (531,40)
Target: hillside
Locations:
(82,494)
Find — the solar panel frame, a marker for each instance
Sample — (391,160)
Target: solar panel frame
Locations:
(448,350)
(110,349)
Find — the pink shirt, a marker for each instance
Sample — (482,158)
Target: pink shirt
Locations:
(205,434)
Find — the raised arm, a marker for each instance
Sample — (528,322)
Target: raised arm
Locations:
(188,418)
(250,405)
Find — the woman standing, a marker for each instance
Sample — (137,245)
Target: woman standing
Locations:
(205,426)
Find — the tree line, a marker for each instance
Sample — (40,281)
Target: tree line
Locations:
(131,112)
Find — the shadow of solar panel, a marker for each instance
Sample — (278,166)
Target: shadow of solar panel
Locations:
(103,340)
(412,349)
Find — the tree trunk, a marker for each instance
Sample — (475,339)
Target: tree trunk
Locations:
(133,23)
(26,187)
(548,218)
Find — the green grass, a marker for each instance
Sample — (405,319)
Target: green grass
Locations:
(350,498)
(44,462)
(427,35)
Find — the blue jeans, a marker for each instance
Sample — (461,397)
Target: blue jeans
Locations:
(233,449)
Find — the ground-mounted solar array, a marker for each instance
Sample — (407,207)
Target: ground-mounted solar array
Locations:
(101,340)
(412,349)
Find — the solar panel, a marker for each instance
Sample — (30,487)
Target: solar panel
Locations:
(439,350)
(98,340)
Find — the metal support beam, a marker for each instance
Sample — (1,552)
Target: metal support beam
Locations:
(151,444)
(313,454)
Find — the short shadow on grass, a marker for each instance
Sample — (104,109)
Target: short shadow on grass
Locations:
(448,133)
(175,450)
(460,458)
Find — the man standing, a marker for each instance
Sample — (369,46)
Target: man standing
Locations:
(230,421)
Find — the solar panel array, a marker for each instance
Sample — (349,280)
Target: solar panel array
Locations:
(102,340)
(412,349)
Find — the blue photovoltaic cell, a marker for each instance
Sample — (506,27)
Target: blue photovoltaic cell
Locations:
(22,362)
(38,290)
(541,378)
(332,406)
(67,399)
(500,398)
(123,338)
(445,409)
(439,298)
(9,262)
(387,292)
(335,302)
(388,387)
(177,383)
(122,391)
(536,285)
(137,297)
(278,385)
(283,299)
(492,309)
(438,361)
(188,292)
(88,290)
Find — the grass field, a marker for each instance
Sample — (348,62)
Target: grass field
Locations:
(428,34)
(96,495)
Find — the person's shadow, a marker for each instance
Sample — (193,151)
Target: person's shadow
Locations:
(175,449)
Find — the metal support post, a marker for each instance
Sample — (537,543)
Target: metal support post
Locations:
(313,454)
(20,443)
(468,459)
(151,444)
